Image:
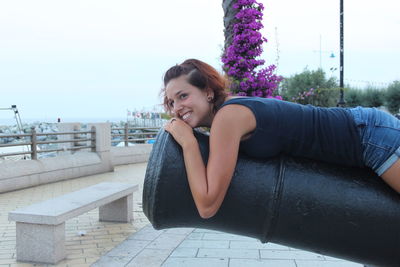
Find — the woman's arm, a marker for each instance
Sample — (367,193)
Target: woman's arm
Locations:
(209,184)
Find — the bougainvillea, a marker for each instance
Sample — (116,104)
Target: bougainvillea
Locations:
(240,58)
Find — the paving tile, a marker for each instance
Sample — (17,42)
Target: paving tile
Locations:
(129,248)
(166,241)
(204,244)
(149,258)
(295,254)
(195,236)
(195,262)
(94,251)
(201,230)
(228,253)
(224,236)
(108,261)
(146,233)
(184,252)
(71,262)
(179,231)
(74,251)
(19,264)
(261,263)
(307,263)
(89,261)
(256,245)
(83,246)
(7,261)
(76,256)
(110,244)
(6,256)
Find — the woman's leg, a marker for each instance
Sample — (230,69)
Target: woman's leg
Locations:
(392,176)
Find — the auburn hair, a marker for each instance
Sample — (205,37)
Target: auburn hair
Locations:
(200,75)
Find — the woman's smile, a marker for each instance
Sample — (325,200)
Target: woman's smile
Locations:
(186,116)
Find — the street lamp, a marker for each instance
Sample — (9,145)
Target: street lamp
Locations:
(341,102)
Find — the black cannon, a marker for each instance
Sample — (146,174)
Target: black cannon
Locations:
(348,213)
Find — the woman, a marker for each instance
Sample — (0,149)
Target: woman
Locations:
(194,93)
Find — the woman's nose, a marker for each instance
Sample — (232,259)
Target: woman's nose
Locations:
(177,108)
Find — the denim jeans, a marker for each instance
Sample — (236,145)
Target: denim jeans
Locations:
(380,137)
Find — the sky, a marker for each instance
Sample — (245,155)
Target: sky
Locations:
(81,59)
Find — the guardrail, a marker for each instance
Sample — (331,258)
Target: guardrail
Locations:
(33,143)
(131,134)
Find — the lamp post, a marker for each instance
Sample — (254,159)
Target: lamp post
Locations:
(341,102)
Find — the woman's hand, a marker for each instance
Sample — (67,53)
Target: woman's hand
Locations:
(180,130)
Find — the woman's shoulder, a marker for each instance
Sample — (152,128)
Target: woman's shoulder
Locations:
(236,118)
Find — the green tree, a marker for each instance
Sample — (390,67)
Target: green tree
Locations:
(297,84)
(373,97)
(392,97)
(323,97)
(354,97)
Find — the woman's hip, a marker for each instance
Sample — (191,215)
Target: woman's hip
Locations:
(380,137)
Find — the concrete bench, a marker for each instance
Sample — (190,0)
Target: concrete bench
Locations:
(41,227)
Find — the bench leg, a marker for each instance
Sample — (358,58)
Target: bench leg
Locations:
(119,210)
(40,242)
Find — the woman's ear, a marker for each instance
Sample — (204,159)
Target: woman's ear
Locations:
(210,95)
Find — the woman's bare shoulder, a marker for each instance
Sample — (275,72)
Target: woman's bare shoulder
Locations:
(237,118)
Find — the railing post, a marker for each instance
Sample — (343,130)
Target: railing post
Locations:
(103,144)
(93,137)
(126,134)
(67,127)
(33,143)
(75,136)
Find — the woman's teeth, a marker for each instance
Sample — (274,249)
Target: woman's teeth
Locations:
(185,116)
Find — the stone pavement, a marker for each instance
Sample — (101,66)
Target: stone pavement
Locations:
(90,242)
(182,247)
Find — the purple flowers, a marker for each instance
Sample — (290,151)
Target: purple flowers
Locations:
(239,59)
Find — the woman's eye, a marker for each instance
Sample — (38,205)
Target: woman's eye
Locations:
(182,96)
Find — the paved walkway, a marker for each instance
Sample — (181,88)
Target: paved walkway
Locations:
(87,239)
(181,247)
(93,243)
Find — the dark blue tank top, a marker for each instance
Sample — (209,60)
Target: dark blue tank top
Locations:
(327,134)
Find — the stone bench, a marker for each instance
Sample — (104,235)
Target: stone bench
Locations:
(41,227)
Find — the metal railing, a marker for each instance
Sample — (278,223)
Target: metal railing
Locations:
(147,122)
(134,134)
(33,143)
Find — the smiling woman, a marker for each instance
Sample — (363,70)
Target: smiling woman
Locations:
(195,94)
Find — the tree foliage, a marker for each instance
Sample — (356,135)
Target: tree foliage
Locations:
(392,97)
(373,97)
(353,97)
(299,84)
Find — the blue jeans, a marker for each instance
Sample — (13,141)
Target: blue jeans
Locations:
(380,137)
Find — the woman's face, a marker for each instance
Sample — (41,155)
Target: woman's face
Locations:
(189,103)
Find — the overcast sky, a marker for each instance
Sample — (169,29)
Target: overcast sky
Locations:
(98,58)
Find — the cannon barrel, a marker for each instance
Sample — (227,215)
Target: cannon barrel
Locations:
(348,213)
